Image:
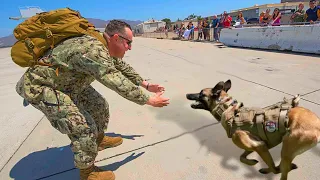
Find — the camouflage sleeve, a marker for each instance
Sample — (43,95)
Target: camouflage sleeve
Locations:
(94,59)
(128,71)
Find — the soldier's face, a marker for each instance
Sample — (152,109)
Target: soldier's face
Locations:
(123,43)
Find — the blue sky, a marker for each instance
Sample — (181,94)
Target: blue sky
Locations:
(125,9)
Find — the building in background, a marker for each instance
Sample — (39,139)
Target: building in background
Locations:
(149,26)
(283,1)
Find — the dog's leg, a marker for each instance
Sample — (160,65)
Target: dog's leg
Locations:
(294,145)
(249,142)
(245,160)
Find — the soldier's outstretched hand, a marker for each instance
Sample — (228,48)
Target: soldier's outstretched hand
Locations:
(155,88)
(157,100)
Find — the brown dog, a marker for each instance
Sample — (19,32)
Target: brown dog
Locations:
(257,129)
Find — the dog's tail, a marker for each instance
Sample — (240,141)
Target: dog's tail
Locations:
(295,100)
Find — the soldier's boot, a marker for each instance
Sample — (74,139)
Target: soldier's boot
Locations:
(94,173)
(107,142)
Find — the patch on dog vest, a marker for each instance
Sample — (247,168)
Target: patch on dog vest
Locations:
(271,126)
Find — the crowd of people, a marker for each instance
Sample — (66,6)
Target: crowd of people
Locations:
(299,16)
(204,27)
(311,15)
(266,18)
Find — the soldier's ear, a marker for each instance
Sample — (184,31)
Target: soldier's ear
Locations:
(116,36)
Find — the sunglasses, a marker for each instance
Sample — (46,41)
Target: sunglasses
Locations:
(129,42)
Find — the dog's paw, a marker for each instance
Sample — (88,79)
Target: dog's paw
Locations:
(268,170)
(252,162)
(264,171)
(293,166)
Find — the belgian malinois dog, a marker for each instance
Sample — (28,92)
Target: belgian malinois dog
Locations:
(300,129)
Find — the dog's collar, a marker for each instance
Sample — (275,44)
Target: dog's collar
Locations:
(223,105)
(218,111)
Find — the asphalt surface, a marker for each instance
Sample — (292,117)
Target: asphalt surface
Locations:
(171,143)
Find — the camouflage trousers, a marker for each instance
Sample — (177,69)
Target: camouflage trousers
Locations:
(80,116)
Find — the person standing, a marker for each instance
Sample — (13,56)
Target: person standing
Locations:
(313,13)
(276,17)
(215,25)
(298,15)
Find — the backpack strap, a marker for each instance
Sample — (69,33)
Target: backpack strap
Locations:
(36,53)
(32,48)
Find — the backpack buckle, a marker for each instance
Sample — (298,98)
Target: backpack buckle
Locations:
(48,33)
(29,43)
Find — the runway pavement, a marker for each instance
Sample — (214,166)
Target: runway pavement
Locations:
(171,143)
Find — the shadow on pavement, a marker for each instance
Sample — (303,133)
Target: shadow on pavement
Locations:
(116,165)
(43,163)
(213,137)
(131,137)
(57,163)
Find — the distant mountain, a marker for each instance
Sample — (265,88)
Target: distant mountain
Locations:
(98,23)
(8,41)
(132,23)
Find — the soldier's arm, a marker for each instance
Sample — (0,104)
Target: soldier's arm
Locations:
(128,71)
(96,61)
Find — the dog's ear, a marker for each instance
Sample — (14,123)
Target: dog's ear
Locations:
(217,89)
(227,85)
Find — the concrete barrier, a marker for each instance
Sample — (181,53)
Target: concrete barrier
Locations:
(297,38)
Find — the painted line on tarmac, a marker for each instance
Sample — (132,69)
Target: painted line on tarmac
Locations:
(21,144)
(274,88)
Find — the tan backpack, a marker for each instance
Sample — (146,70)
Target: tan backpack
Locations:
(43,31)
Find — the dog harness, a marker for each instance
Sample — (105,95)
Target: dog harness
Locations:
(270,124)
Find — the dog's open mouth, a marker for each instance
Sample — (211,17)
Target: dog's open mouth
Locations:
(197,105)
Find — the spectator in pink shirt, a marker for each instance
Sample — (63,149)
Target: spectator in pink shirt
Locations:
(276,16)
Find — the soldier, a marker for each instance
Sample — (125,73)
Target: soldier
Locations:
(64,94)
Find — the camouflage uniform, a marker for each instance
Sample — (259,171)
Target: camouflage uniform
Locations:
(68,100)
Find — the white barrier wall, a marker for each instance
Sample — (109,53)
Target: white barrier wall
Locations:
(299,38)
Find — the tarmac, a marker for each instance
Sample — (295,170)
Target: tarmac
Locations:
(170,143)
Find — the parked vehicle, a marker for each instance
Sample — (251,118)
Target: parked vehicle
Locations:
(253,21)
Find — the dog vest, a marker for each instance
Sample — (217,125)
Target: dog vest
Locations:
(270,124)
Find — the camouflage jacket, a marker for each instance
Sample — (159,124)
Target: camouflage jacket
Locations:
(80,61)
